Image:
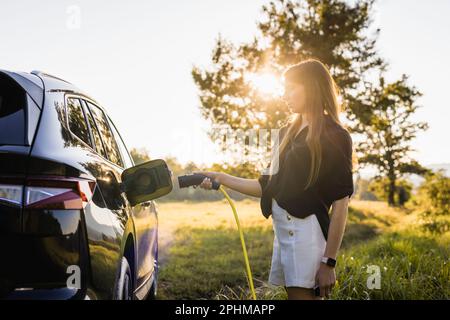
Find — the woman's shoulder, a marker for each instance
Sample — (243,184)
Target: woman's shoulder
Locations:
(338,135)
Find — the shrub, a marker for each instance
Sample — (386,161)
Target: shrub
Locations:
(434,200)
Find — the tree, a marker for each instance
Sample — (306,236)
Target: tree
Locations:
(234,91)
(384,112)
(139,155)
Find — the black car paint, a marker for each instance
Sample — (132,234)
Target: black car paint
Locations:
(40,245)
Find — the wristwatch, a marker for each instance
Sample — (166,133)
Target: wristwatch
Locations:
(329,262)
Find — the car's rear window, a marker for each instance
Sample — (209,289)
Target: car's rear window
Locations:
(108,140)
(77,121)
(12,112)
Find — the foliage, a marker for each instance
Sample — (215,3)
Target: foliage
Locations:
(139,155)
(402,193)
(433,199)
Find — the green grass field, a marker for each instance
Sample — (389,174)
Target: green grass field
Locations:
(202,257)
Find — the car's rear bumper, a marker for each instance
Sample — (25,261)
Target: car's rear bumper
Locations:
(48,260)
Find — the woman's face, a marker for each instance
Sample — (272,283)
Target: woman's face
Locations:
(294,96)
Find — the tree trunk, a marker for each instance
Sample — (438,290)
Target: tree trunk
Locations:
(391,191)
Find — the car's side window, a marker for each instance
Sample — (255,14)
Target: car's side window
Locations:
(94,132)
(77,120)
(110,144)
(123,149)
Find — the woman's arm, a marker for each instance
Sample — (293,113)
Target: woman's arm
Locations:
(326,276)
(339,210)
(250,187)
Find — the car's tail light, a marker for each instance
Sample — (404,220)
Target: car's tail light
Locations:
(58,193)
(11,193)
(39,196)
(49,193)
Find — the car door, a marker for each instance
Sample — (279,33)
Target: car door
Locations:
(145,220)
(143,215)
(103,242)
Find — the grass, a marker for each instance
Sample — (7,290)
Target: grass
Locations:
(412,265)
(203,258)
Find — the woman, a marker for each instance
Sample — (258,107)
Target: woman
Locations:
(314,162)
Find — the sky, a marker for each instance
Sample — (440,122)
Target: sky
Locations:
(135,58)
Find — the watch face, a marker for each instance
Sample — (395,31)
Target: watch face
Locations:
(329,261)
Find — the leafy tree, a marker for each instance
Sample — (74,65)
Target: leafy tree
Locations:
(384,111)
(333,31)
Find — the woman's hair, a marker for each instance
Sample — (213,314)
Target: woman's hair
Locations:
(321,97)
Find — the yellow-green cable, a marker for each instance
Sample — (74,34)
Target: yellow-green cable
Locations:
(244,249)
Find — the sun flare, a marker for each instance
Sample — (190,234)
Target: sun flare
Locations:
(266,83)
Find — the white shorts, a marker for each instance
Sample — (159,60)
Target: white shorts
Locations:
(298,248)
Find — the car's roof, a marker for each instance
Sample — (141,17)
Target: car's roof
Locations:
(35,80)
(32,84)
(54,83)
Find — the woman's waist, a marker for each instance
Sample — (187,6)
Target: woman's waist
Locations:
(299,207)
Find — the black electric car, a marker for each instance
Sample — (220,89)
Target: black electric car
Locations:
(77,217)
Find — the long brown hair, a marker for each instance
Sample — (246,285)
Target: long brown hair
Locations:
(321,97)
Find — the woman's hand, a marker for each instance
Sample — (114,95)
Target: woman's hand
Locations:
(326,279)
(210,176)
(249,187)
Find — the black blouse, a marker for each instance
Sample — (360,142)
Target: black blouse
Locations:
(335,180)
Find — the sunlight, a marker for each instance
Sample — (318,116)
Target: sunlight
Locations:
(266,83)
